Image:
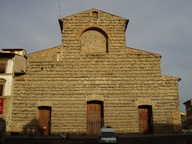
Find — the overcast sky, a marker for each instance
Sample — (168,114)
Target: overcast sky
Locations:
(158,26)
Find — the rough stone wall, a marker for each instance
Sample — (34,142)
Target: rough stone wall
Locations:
(73,27)
(123,78)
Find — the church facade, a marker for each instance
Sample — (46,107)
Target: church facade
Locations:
(92,80)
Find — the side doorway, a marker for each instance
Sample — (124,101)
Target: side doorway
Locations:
(95,118)
(145,119)
(44,121)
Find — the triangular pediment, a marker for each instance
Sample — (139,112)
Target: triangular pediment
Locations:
(88,14)
(92,10)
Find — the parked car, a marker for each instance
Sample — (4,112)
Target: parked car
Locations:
(107,135)
(187,131)
(2,130)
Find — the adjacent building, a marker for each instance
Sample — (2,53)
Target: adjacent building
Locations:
(12,64)
(93,79)
(188,105)
(184,121)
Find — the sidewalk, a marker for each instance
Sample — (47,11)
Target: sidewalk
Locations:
(89,136)
(52,136)
(129,139)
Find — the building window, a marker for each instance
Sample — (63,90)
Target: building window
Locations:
(58,56)
(1,89)
(2,83)
(95,14)
(2,67)
(94,41)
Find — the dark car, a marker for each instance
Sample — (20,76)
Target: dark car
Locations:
(2,130)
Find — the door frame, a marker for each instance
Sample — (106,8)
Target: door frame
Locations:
(150,118)
(49,124)
(102,112)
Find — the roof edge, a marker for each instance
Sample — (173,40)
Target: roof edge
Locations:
(93,9)
(187,101)
(171,77)
(44,50)
(142,51)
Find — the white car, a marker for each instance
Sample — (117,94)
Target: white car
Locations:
(107,135)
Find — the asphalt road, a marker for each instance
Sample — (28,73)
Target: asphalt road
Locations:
(142,139)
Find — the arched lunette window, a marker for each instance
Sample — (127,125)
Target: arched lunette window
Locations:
(94,40)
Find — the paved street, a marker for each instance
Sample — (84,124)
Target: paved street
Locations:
(142,139)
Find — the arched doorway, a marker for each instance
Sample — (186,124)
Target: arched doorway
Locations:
(44,121)
(145,119)
(94,117)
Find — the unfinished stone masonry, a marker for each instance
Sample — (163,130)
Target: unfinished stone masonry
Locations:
(92,79)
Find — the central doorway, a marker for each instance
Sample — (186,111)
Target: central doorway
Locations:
(94,117)
(44,121)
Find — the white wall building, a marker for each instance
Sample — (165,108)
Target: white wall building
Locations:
(12,62)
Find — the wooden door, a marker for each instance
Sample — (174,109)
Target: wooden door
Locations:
(94,118)
(145,120)
(44,121)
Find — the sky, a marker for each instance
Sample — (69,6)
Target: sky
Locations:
(159,26)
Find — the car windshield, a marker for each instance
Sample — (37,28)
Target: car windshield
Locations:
(108,134)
